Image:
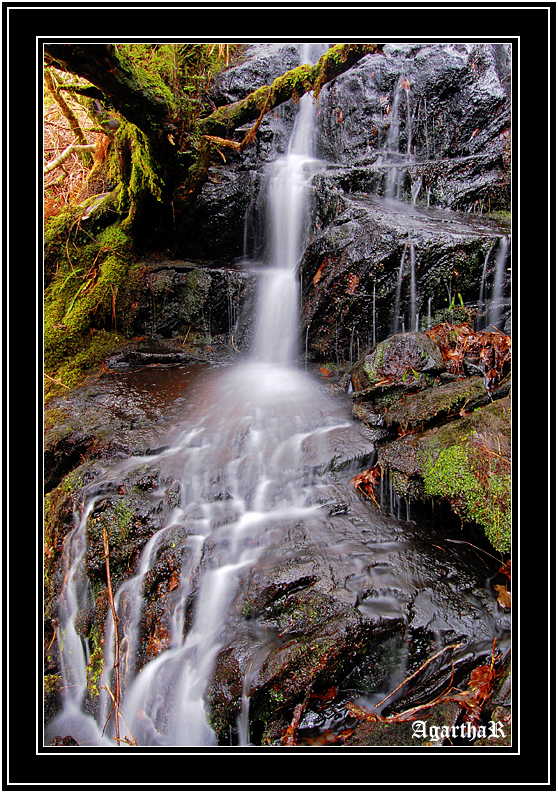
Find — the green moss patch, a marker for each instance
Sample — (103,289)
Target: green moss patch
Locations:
(470,466)
(466,462)
(81,306)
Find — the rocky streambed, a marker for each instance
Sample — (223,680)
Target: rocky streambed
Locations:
(381,582)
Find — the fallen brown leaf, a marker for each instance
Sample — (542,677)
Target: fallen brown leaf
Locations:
(504,596)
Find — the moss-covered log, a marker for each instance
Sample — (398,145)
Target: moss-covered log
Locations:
(148,103)
(294,84)
(140,99)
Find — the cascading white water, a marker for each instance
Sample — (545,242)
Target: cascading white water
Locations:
(489,309)
(395,159)
(481,303)
(246,434)
(288,215)
(495,314)
(397,324)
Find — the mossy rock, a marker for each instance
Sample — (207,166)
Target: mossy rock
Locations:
(470,465)
(398,358)
(466,462)
(81,305)
(433,404)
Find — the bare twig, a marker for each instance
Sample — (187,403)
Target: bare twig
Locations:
(116,697)
(416,672)
(125,739)
(71,149)
(58,382)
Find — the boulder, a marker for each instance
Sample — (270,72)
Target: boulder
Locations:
(394,360)
(366,253)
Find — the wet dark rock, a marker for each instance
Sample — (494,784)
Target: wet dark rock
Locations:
(121,413)
(445,401)
(457,163)
(337,449)
(349,600)
(129,521)
(350,269)
(66,741)
(325,599)
(131,358)
(466,461)
(63,452)
(456,98)
(259,65)
(187,299)
(316,618)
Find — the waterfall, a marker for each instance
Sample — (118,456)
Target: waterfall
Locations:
(481,304)
(397,305)
(413,316)
(245,471)
(397,324)
(276,326)
(246,431)
(489,309)
(495,313)
(392,146)
(394,177)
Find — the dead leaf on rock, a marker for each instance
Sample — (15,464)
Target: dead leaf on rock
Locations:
(366,480)
(353,283)
(174,580)
(504,596)
(318,274)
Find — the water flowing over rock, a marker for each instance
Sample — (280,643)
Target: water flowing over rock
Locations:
(238,550)
(449,160)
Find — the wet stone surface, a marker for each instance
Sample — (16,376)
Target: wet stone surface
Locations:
(330,590)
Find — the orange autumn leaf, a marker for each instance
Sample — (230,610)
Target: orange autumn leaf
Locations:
(506,569)
(174,580)
(318,274)
(504,596)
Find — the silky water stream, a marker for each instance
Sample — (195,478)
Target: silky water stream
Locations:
(244,433)
(238,459)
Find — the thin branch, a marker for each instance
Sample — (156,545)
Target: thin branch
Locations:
(58,382)
(250,135)
(71,149)
(116,698)
(294,83)
(425,664)
(68,114)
